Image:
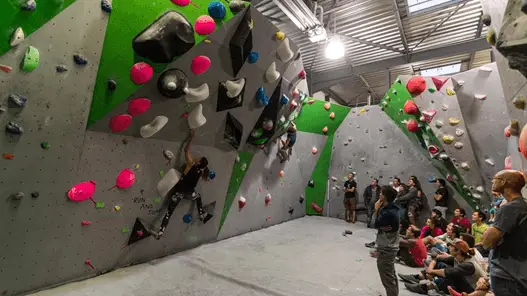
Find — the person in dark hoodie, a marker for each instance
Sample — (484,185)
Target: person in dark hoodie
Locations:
(387,224)
(412,199)
(371,196)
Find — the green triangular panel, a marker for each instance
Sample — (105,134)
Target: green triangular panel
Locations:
(320,177)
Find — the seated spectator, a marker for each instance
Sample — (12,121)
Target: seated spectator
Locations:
(441,197)
(477,257)
(412,251)
(440,242)
(459,272)
(482,289)
(460,220)
(439,216)
(430,229)
(479,226)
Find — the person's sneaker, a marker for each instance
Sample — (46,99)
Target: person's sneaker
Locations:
(417,288)
(370,245)
(409,278)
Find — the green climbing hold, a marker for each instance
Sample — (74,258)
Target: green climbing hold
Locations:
(125,230)
(261,141)
(432,90)
(161,174)
(31,59)
(99,205)
(44,145)
(157,199)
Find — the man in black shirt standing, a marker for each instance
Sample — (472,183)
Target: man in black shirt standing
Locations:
(371,196)
(350,199)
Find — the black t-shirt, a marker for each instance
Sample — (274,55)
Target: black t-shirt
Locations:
(458,273)
(348,185)
(443,201)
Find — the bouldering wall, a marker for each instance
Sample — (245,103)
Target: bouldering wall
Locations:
(138,105)
(369,144)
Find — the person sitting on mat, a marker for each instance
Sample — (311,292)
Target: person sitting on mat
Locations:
(412,251)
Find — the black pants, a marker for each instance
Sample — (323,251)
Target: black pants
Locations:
(174,202)
(406,257)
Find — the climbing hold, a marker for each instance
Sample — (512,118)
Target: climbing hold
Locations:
(429,115)
(181,2)
(458,145)
(85,223)
(448,139)
(120,122)
(271,75)
(284,51)
(314,150)
(491,36)
(439,82)
(450,92)
(234,87)
(169,155)
(459,132)
(5,68)
(412,126)
(112,85)
(205,25)
(168,180)
(243,167)
(515,128)
(236,6)
(325,130)
(316,207)
(311,183)
(293,106)
(327,106)
(508,163)
(302,74)
(35,194)
(200,64)
(410,107)
(148,130)
(281,174)
(88,262)
(44,145)
(284,100)
(394,92)
(444,107)
(279,35)
(432,90)
(138,106)
(507,131)
(61,68)
(80,60)
(196,118)
(212,175)
(173,83)
(141,73)
(19,100)
(82,191)
(453,121)
(443,156)
(465,166)
(18,196)
(485,69)
(8,155)
(217,10)
(194,95)
(480,189)
(363,159)
(253,57)
(291,210)
(31,59)
(489,161)
(486,19)
(267,124)
(480,97)
(301,199)
(17,37)
(29,5)
(14,128)
(257,132)
(433,149)
(523,142)
(106,6)
(476,196)
(117,208)
(268,199)
(416,85)
(241,202)
(261,97)
(519,102)
(125,179)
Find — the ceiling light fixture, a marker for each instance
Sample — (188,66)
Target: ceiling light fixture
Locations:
(305,19)
(335,48)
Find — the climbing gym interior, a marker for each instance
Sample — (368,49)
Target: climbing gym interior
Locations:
(111,107)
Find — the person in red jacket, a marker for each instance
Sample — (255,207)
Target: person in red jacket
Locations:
(412,251)
(460,220)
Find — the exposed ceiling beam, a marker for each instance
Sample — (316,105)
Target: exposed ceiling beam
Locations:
(401,28)
(325,79)
(478,34)
(368,86)
(336,96)
(366,42)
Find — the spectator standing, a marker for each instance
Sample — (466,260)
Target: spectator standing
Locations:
(371,196)
(350,198)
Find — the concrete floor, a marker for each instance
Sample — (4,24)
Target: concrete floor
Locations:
(307,256)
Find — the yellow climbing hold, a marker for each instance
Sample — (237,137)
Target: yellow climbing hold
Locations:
(362,110)
(450,92)
(280,35)
(207,41)
(117,208)
(491,36)
(448,139)
(137,166)
(453,121)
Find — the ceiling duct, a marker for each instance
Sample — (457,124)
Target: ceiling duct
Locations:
(305,19)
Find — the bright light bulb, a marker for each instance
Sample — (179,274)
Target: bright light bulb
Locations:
(334,49)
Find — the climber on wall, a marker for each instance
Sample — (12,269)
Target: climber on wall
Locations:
(186,187)
(287,145)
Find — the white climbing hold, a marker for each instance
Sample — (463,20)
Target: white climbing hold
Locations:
(237,159)
(476,196)
(17,38)
(349,139)
(243,167)
(480,97)
(489,161)
(153,127)
(234,87)
(334,179)
(196,118)
(169,155)
(363,159)
(444,107)
(438,123)
(271,75)
(465,166)
(173,86)
(480,189)
(485,69)
(194,95)
(458,145)
(284,51)
(168,181)
(459,132)
(461,82)
(443,156)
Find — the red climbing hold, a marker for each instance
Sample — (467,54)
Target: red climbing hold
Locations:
(120,122)
(439,82)
(141,73)
(125,179)
(507,131)
(302,74)
(316,208)
(410,107)
(241,202)
(181,2)
(88,262)
(138,106)
(82,191)
(267,199)
(8,156)
(523,142)
(412,126)
(416,85)
(508,163)
(204,25)
(429,115)
(433,149)
(200,65)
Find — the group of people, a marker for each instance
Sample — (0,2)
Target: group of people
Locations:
(452,254)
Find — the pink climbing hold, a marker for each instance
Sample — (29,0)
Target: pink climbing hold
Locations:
(205,25)
(429,115)
(138,106)
(141,73)
(508,163)
(433,149)
(125,179)
(523,142)
(82,191)
(507,132)
(302,74)
(88,262)
(200,65)
(295,93)
(416,85)
(120,122)
(439,82)
(412,126)
(85,223)
(181,2)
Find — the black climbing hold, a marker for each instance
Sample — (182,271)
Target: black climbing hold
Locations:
(169,36)
(44,145)
(19,100)
(112,85)
(301,199)
(173,83)
(486,20)
(14,128)
(298,56)
(311,184)
(106,6)
(125,141)
(35,194)
(30,5)
(524,6)
(291,211)
(233,131)
(61,68)
(139,232)
(80,60)
(236,6)
(241,43)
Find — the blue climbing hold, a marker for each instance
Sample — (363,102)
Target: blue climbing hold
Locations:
(217,10)
(187,218)
(284,100)
(432,179)
(262,97)
(106,6)
(253,57)
(212,175)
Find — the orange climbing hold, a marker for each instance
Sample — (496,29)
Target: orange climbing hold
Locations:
(325,130)
(316,207)
(410,107)
(8,156)
(416,85)
(327,106)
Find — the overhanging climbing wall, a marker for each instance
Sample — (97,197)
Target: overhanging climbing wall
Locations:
(369,144)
